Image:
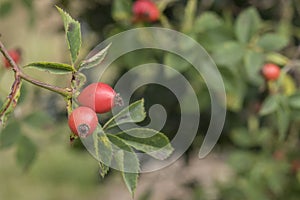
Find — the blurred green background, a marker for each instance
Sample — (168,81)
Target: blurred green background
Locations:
(257,156)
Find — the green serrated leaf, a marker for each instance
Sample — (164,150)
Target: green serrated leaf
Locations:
(103,169)
(127,161)
(269,105)
(272,42)
(26,152)
(283,119)
(150,141)
(294,100)
(229,54)
(134,113)
(73,34)
(94,60)
(207,21)
(253,62)
(55,68)
(10,135)
(247,24)
(102,146)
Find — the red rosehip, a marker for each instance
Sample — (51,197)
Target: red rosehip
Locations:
(15,54)
(83,121)
(100,97)
(271,71)
(145,10)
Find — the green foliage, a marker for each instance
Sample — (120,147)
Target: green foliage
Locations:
(95,59)
(10,135)
(55,68)
(270,105)
(247,25)
(73,34)
(127,160)
(149,141)
(26,152)
(263,116)
(267,42)
(134,113)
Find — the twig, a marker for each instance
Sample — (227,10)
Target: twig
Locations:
(65,92)
(19,75)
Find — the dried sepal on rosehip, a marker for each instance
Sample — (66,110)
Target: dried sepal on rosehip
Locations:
(83,121)
(100,97)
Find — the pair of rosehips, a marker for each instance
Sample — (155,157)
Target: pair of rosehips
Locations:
(145,10)
(95,98)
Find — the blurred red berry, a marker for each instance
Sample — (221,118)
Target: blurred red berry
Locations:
(15,54)
(145,10)
(271,71)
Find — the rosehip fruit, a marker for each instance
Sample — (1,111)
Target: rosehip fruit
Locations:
(15,54)
(83,121)
(271,71)
(100,97)
(145,10)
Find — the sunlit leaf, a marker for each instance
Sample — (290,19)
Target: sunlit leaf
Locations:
(150,141)
(207,21)
(55,68)
(73,34)
(127,161)
(272,42)
(228,54)
(135,112)
(94,60)
(269,105)
(247,24)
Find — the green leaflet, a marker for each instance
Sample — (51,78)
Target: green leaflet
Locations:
(73,34)
(55,68)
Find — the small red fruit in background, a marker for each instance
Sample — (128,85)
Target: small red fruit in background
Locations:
(145,10)
(15,54)
(295,166)
(83,121)
(271,71)
(100,97)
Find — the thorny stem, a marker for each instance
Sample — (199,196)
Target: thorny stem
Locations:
(19,75)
